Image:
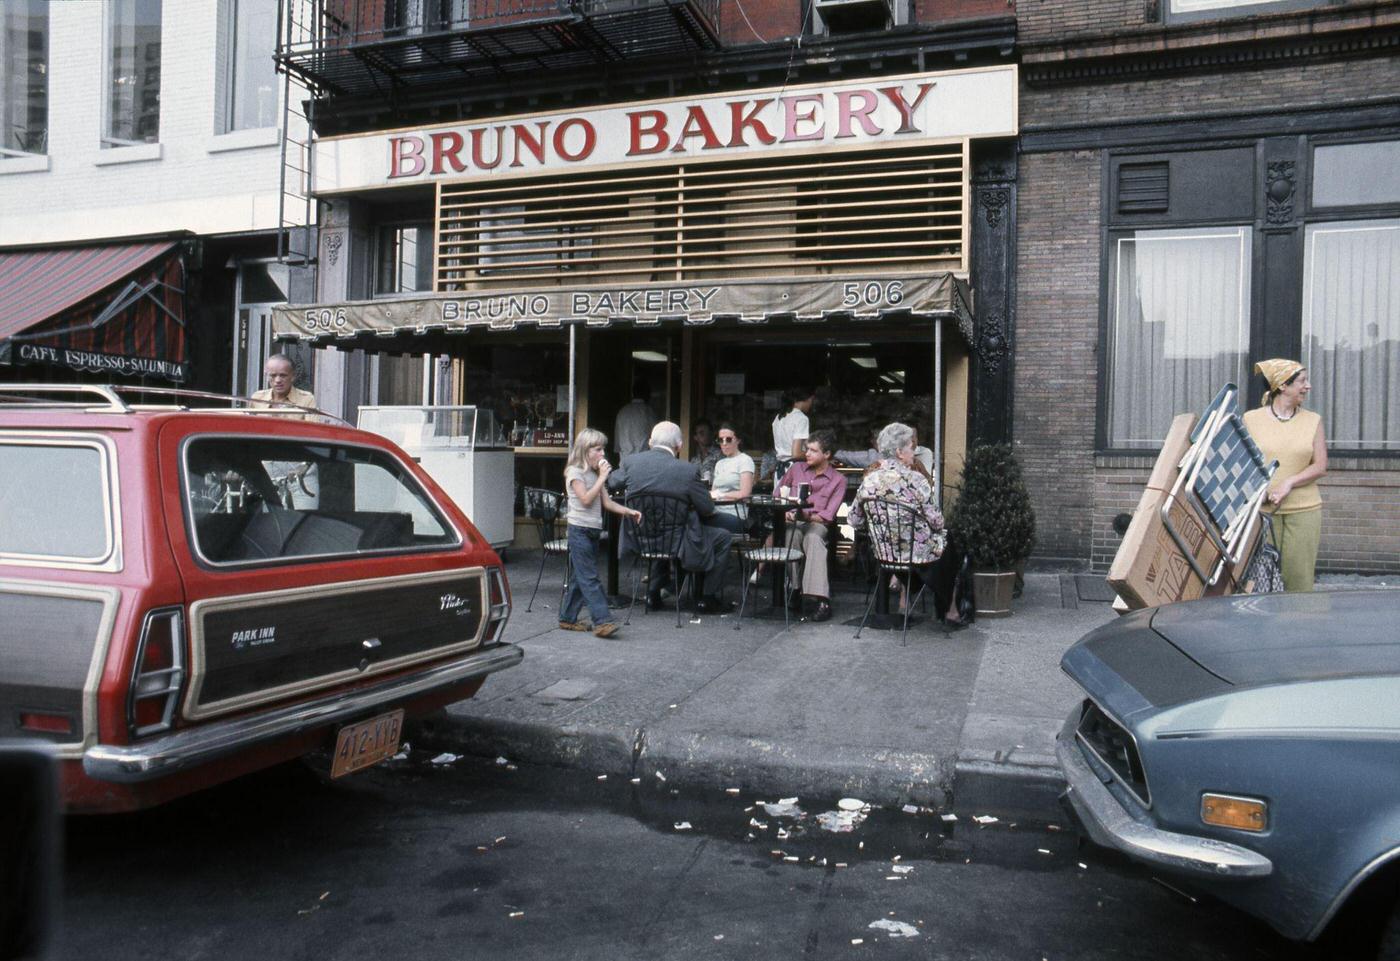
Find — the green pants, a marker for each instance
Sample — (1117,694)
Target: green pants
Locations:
(1297,536)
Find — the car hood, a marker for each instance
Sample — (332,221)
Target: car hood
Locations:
(1257,639)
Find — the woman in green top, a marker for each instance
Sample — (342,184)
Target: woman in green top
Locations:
(1293,436)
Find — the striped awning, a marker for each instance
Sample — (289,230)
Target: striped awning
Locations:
(113,309)
(37,284)
(888,297)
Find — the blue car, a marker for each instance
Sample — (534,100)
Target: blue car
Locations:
(1249,746)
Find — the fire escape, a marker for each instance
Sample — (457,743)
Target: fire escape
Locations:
(386,49)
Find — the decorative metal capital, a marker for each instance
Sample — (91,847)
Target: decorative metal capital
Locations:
(334,241)
(994,201)
(992,342)
(1280,186)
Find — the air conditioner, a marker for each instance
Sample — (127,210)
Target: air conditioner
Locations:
(854,16)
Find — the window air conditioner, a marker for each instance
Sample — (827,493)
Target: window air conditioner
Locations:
(853,16)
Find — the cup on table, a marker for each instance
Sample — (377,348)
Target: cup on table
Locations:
(783,492)
(804,491)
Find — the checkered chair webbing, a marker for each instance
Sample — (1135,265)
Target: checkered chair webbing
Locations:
(1233,470)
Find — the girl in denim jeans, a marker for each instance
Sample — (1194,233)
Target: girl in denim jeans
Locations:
(584,477)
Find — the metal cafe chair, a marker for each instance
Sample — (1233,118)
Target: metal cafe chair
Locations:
(545,507)
(750,558)
(891,526)
(657,539)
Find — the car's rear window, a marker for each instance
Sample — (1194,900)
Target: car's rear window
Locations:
(261,499)
(54,502)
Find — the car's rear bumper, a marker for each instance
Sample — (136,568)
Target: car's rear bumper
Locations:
(193,746)
(1108,823)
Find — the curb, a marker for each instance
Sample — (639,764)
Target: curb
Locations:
(714,762)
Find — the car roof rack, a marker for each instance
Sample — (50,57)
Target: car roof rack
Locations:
(120,399)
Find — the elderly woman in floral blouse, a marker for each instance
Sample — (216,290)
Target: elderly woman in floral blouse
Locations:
(896,478)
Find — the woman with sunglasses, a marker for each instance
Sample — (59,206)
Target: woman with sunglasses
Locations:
(733,480)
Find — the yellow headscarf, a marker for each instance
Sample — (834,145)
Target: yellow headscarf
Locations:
(1277,372)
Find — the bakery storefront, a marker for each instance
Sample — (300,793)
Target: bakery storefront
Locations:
(723,250)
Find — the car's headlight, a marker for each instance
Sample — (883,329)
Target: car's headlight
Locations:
(1231,811)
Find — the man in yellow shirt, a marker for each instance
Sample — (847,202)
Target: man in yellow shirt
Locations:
(279,372)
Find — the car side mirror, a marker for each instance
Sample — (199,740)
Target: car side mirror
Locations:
(29,828)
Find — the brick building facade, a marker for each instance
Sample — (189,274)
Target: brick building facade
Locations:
(1256,132)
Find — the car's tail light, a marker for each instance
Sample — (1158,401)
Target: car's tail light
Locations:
(1241,813)
(44,723)
(499,612)
(159,673)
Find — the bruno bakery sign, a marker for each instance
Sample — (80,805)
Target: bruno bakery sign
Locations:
(886,110)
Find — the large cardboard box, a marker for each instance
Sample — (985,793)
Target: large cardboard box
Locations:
(1178,442)
(1149,569)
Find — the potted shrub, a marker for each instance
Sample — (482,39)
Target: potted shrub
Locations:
(992,521)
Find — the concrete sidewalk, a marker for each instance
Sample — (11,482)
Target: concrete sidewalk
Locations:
(807,710)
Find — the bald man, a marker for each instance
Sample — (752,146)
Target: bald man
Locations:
(279,372)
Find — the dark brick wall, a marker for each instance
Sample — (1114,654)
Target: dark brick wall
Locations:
(1057,293)
(1281,86)
(1040,21)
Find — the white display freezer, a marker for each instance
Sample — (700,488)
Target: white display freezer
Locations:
(465,451)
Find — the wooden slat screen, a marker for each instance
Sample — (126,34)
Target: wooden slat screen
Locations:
(888,210)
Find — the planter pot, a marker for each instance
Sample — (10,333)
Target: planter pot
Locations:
(993,590)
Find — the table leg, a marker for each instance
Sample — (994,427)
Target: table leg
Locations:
(778,570)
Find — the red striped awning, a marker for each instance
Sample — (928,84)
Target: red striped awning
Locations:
(37,284)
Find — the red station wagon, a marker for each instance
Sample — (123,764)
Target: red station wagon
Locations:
(190,594)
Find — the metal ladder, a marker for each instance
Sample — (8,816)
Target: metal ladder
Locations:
(298,25)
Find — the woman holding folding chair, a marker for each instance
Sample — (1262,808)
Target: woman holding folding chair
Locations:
(1293,436)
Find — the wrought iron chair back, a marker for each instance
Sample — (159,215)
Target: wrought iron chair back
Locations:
(659,537)
(891,528)
(546,508)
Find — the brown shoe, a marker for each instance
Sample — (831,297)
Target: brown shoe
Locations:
(606,629)
(573,626)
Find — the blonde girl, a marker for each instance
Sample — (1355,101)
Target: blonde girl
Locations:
(585,475)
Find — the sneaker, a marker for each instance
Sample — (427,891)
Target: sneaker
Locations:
(606,629)
(573,626)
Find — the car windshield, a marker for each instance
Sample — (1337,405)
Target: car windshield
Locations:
(54,502)
(257,499)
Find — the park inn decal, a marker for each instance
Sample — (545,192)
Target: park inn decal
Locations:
(887,110)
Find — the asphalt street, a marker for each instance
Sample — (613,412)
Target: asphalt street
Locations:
(493,860)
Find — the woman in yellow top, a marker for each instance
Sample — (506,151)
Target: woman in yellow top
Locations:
(1293,436)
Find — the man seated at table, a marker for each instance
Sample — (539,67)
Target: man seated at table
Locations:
(705,547)
(810,526)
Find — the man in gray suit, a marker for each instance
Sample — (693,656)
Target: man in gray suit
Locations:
(705,548)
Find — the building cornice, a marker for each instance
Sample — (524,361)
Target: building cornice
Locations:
(1328,33)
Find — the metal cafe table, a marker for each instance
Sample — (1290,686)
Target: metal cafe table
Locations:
(776,509)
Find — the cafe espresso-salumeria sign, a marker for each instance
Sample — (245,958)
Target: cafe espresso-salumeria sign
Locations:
(887,110)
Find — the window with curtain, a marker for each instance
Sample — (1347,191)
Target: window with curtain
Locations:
(248,79)
(1178,326)
(24,77)
(1351,331)
(133,73)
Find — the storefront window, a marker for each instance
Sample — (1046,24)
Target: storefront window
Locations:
(133,73)
(1178,326)
(24,82)
(862,385)
(526,384)
(1351,331)
(249,76)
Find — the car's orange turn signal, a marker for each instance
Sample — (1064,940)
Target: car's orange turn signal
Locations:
(1241,813)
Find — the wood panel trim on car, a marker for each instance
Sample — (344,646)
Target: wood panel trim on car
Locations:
(109,598)
(195,709)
